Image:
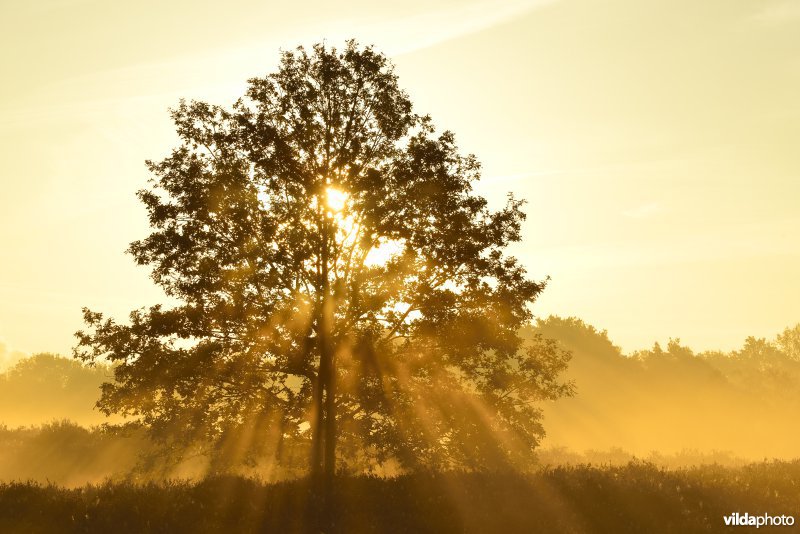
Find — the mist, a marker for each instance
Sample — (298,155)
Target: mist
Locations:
(670,400)
(667,405)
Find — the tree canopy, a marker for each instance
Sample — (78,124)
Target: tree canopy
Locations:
(345,298)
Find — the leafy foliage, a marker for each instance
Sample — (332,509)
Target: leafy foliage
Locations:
(290,335)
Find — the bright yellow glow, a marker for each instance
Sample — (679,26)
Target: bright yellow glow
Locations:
(336,199)
(688,174)
(384,252)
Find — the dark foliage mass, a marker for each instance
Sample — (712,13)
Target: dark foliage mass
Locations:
(290,340)
(633,498)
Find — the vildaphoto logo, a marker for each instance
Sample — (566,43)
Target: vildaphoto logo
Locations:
(746,520)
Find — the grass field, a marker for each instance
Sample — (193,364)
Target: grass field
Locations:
(638,497)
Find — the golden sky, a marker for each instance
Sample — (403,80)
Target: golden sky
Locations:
(657,143)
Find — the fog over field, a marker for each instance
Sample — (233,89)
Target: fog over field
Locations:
(667,405)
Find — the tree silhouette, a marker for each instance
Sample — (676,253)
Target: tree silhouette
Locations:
(343,294)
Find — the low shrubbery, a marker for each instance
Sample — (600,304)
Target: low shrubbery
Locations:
(638,497)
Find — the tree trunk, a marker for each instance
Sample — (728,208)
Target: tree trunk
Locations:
(330,400)
(323,438)
(318,424)
(323,456)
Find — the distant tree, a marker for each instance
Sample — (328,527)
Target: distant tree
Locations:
(679,365)
(579,338)
(45,386)
(344,295)
(789,342)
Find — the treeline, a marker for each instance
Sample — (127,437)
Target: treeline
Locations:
(670,399)
(47,387)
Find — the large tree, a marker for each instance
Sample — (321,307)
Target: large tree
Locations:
(343,294)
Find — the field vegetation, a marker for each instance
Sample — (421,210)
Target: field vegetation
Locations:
(637,497)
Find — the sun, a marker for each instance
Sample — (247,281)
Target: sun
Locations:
(347,233)
(336,199)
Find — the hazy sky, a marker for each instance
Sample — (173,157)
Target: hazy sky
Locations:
(655,141)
